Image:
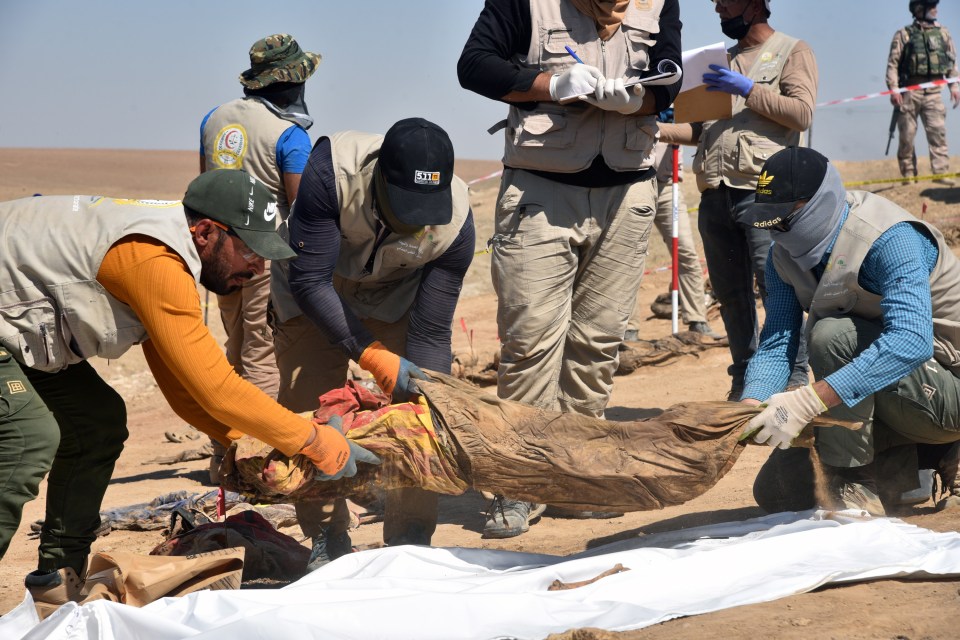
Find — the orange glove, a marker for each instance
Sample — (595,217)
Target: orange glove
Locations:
(396,376)
(329,450)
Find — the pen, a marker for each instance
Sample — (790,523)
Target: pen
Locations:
(573,53)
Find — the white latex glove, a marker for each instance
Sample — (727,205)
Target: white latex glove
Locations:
(784,417)
(575,81)
(613,96)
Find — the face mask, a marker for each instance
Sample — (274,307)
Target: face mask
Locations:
(929,17)
(735,28)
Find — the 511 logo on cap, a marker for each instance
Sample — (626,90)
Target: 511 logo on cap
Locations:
(427,177)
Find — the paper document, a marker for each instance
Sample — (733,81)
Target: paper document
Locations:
(695,103)
(667,73)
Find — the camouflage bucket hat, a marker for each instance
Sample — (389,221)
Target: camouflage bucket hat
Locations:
(278,58)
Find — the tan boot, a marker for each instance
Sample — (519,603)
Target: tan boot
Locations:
(53,589)
(948,468)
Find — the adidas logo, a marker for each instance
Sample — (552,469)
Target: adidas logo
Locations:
(763,182)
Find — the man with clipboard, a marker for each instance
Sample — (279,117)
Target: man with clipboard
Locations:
(773,83)
(578,194)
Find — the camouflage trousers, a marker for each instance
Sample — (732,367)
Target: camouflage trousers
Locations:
(927,104)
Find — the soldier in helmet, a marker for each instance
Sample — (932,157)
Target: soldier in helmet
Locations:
(921,52)
(264,133)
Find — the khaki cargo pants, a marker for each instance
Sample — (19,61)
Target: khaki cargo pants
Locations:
(567,263)
(927,104)
(249,345)
(693,306)
(309,367)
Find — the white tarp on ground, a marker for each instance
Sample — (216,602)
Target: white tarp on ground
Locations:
(413,592)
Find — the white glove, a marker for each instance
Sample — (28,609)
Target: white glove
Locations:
(785,416)
(613,96)
(575,81)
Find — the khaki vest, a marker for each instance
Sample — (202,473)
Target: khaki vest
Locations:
(838,293)
(243,134)
(733,151)
(567,138)
(385,287)
(53,312)
(925,54)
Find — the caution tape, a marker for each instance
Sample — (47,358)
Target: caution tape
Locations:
(938,176)
(489,176)
(914,87)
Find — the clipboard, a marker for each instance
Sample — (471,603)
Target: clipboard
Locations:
(667,73)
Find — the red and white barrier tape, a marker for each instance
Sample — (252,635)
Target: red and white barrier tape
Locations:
(495,174)
(913,87)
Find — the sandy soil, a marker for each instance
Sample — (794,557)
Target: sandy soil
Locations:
(883,609)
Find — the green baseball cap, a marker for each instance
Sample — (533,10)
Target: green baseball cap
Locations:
(278,58)
(243,203)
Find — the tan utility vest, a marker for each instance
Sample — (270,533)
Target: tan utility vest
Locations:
(384,287)
(53,312)
(733,151)
(567,138)
(243,134)
(839,293)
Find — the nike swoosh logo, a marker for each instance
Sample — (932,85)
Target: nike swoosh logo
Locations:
(269,216)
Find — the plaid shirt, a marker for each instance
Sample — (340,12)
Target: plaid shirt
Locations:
(897,267)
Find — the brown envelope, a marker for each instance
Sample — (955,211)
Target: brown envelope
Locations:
(700,105)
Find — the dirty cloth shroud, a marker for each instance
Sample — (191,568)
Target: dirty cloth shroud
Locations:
(459,437)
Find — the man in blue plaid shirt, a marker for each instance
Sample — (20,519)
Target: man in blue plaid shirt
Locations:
(880,288)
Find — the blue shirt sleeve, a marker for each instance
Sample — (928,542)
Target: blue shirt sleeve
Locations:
(203,125)
(769,368)
(293,149)
(897,268)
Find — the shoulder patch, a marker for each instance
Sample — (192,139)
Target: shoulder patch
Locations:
(230,146)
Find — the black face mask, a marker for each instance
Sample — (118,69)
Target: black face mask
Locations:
(735,28)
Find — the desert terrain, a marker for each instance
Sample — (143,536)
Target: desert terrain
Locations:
(881,609)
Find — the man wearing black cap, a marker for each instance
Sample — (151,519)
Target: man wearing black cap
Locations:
(98,276)
(879,287)
(385,235)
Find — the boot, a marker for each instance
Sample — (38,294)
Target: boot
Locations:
(327,547)
(704,328)
(949,497)
(51,589)
(509,518)
(854,488)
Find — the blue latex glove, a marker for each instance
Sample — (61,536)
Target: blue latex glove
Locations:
(357,454)
(728,81)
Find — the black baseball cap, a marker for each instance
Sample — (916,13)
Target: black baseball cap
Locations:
(416,165)
(243,203)
(789,175)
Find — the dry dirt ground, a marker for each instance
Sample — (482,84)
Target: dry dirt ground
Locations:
(882,609)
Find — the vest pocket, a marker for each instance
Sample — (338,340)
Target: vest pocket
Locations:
(753,152)
(37,340)
(640,39)
(553,53)
(542,129)
(640,135)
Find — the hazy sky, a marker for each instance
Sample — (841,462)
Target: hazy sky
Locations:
(138,74)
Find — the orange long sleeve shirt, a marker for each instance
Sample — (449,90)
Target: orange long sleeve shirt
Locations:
(188,364)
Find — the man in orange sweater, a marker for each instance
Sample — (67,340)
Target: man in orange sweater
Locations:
(93,276)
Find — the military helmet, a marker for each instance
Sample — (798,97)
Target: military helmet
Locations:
(278,58)
(926,4)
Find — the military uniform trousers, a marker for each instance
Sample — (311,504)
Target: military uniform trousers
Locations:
(927,104)
(28,441)
(309,367)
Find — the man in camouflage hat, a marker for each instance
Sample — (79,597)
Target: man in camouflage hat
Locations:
(265,134)
(921,52)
